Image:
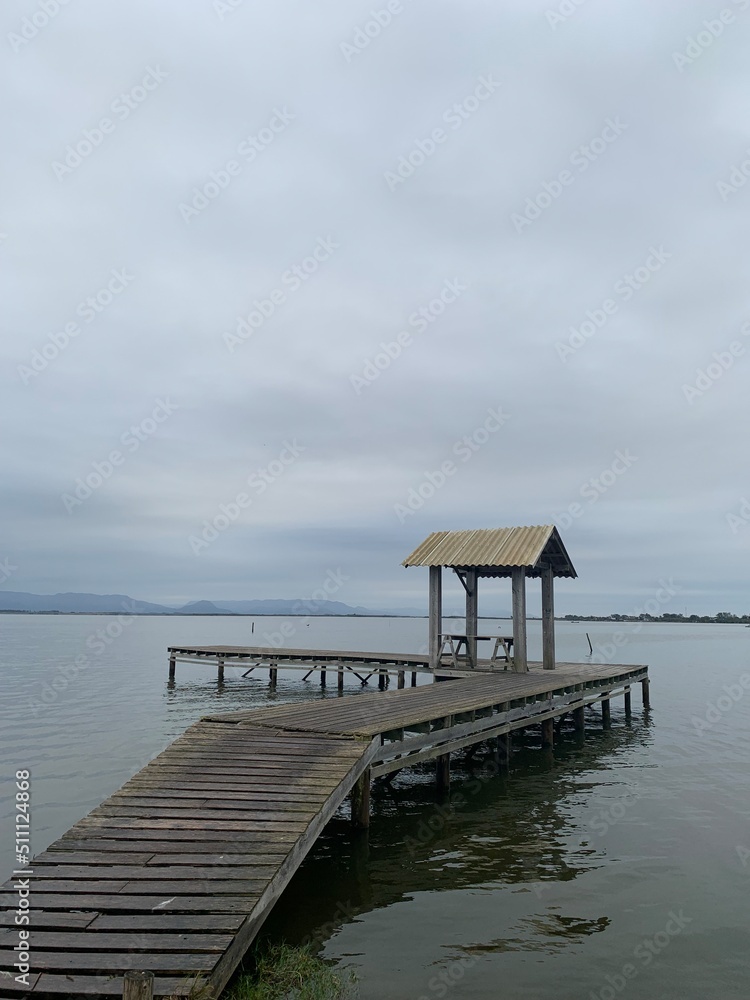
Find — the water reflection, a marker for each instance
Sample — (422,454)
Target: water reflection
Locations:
(524,829)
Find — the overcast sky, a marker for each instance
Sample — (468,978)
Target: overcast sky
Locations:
(517,170)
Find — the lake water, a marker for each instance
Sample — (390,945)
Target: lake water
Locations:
(618,869)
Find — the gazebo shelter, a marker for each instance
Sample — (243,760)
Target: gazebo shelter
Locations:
(517,553)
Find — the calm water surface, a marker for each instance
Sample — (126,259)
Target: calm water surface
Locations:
(618,869)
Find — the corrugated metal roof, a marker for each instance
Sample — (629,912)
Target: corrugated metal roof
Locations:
(495,550)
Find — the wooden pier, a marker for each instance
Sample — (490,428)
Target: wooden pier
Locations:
(177,871)
(361,665)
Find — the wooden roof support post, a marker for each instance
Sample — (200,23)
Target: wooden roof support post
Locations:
(472,614)
(520,658)
(548,619)
(436,615)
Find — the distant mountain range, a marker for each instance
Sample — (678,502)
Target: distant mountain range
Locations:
(120,603)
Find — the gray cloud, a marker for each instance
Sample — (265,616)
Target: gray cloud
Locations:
(222,77)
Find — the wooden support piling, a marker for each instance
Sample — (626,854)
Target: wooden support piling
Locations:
(401,678)
(645,688)
(138,986)
(322,678)
(443,772)
(606,713)
(414,678)
(503,750)
(381,680)
(579,720)
(340,681)
(172,666)
(220,676)
(548,733)
(273,676)
(628,705)
(360,801)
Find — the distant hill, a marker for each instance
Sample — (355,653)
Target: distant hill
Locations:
(81,603)
(279,607)
(202,608)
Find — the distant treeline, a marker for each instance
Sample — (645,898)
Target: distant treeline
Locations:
(723,618)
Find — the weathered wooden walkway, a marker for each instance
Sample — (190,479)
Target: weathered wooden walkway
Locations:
(177,871)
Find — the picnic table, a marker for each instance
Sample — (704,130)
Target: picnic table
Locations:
(454,641)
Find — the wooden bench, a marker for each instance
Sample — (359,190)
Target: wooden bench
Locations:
(454,641)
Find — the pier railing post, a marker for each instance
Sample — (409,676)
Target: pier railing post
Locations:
(138,986)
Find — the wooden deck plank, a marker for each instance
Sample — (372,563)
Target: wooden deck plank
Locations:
(92,961)
(108,986)
(115,941)
(143,873)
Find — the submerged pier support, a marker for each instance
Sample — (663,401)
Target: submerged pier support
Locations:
(360,801)
(645,688)
(548,733)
